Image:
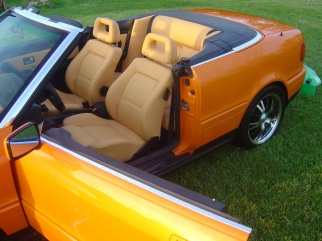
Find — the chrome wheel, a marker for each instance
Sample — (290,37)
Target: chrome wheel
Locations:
(265,119)
(262,117)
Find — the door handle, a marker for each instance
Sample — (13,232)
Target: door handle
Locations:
(29,60)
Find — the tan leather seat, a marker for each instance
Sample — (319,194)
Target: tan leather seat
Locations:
(135,101)
(189,37)
(93,67)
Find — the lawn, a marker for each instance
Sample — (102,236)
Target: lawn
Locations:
(275,189)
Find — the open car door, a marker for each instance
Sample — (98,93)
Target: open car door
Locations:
(72,196)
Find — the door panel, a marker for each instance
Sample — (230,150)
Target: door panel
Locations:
(26,56)
(12,217)
(67,196)
(24,62)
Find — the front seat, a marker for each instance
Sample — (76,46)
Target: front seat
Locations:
(93,67)
(135,101)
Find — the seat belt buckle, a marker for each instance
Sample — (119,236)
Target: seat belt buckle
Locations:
(85,104)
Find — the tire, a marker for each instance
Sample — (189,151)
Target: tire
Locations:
(262,118)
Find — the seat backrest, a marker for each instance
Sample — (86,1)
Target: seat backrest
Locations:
(188,36)
(138,97)
(95,64)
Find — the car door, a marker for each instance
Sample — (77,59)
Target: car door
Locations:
(68,195)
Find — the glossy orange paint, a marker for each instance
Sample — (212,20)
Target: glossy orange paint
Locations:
(220,100)
(66,198)
(266,26)
(12,218)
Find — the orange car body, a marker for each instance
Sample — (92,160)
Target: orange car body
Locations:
(203,123)
(66,195)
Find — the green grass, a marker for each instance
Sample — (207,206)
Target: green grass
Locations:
(275,189)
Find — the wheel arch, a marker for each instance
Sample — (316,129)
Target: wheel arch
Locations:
(278,83)
(281,85)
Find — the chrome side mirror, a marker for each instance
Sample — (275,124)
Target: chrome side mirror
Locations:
(23,140)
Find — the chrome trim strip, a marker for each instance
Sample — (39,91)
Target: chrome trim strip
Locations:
(45,21)
(22,143)
(209,60)
(152,190)
(247,44)
(24,97)
(241,47)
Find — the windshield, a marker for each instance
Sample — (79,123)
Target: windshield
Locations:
(24,45)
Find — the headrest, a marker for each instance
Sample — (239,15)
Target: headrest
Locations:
(110,34)
(159,48)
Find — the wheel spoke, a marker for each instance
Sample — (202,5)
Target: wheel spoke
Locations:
(261,106)
(254,125)
(272,107)
(260,134)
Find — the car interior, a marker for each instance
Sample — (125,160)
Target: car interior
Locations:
(119,85)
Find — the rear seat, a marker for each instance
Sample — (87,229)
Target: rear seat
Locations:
(189,37)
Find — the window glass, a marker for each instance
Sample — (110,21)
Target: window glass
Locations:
(24,46)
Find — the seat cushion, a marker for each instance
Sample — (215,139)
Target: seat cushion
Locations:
(104,136)
(71,102)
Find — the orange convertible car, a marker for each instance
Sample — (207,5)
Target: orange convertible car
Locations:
(89,117)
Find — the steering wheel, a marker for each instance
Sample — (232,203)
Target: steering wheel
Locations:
(54,98)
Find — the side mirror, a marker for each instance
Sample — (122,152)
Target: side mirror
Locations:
(23,140)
